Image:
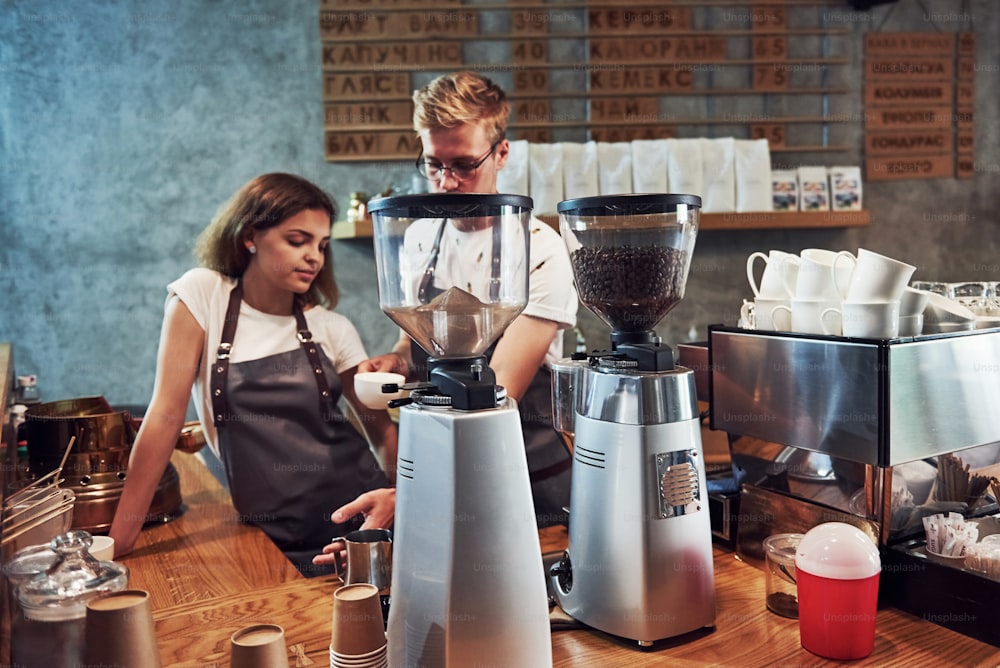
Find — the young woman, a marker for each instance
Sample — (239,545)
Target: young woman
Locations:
(250,336)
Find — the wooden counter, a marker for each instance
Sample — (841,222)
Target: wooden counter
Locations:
(209,575)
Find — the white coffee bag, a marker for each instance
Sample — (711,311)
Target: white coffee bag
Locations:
(614,167)
(579,169)
(649,166)
(684,167)
(545,177)
(718,168)
(513,178)
(752,160)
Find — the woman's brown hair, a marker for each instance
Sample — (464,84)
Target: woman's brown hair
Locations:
(263,203)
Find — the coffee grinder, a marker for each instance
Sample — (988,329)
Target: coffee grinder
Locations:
(467,581)
(639,562)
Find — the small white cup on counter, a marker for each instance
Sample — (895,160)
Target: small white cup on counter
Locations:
(102,548)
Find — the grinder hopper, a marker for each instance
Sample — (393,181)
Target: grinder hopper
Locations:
(631,255)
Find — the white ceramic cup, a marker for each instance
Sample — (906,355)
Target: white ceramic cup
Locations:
(772,280)
(102,548)
(806,315)
(911,325)
(368,388)
(817,277)
(869,320)
(913,302)
(874,277)
(770,318)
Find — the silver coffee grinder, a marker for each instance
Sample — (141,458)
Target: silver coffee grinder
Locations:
(639,562)
(468,585)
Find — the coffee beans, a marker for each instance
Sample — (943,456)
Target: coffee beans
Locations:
(632,287)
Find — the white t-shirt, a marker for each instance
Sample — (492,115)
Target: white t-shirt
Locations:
(206,295)
(464,260)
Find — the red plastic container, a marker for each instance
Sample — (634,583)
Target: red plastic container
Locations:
(837,573)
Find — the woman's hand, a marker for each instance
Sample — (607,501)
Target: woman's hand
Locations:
(390,363)
(378,507)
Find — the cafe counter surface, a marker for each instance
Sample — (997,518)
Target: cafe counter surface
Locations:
(209,575)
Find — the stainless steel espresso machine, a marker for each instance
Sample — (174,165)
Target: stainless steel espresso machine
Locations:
(639,563)
(468,585)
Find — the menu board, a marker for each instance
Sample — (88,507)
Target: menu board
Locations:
(610,71)
(919,92)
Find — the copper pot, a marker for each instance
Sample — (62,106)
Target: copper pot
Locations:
(97,464)
(103,438)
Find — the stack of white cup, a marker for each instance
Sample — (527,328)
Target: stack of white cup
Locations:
(815,290)
(834,293)
(871,295)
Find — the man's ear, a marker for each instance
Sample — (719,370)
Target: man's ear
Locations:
(503,152)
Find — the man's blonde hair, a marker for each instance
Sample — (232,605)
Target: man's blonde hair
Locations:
(463,97)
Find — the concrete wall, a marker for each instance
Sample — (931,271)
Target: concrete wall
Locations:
(124,125)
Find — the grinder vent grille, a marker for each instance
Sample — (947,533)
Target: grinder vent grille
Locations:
(679,491)
(679,484)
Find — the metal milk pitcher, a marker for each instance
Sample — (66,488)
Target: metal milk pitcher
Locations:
(369,560)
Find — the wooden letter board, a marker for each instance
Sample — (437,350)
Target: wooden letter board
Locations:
(918,93)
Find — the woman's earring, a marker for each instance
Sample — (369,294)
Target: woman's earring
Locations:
(252,249)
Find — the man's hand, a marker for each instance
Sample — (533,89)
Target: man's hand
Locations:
(378,507)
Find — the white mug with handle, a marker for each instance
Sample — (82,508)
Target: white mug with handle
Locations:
(874,277)
(772,281)
(818,276)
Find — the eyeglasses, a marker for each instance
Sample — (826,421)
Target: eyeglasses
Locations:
(461,170)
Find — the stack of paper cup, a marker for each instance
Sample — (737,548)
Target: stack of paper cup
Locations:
(358,639)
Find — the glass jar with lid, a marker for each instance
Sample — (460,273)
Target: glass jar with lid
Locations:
(52,591)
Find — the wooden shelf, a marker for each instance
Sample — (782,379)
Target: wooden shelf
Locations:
(345,229)
(781,220)
(759,220)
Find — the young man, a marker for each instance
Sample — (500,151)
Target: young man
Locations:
(461,120)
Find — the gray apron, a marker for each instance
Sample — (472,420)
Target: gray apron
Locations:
(290,454)
(549,460)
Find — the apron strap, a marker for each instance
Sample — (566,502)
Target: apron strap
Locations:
(428,277)
(305,338)
(220,369)
(495,263)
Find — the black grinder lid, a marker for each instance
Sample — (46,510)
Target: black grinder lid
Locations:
(628,204)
